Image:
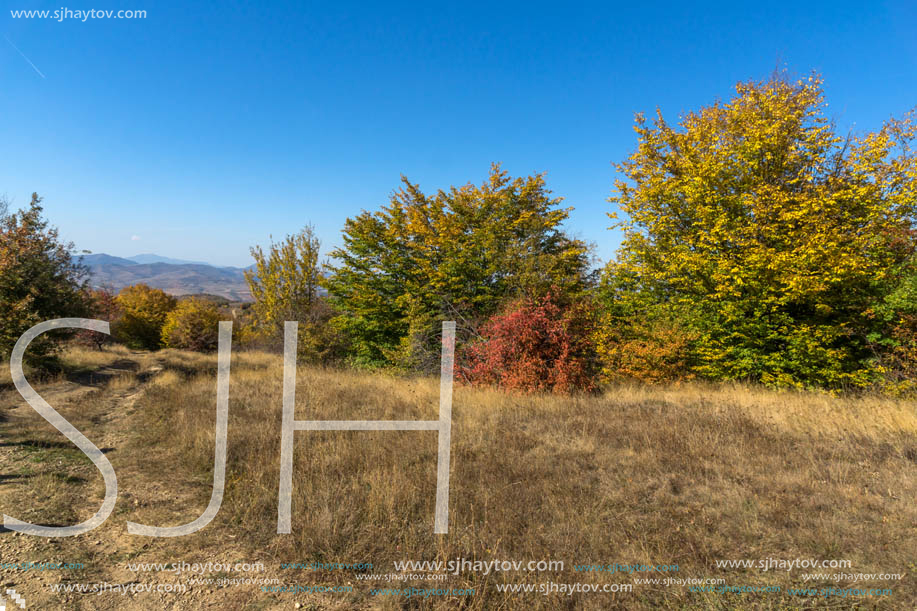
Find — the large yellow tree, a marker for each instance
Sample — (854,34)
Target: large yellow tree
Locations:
(144,311)
(766,234)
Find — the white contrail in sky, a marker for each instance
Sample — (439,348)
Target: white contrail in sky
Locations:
(24,57)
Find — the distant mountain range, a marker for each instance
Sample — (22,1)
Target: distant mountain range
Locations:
(174,276)
(151,258)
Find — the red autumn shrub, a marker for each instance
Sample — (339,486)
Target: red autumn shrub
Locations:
(534,346)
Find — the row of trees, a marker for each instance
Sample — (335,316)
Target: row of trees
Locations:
(40,280)
(759,244)
(493,257)
(148,318)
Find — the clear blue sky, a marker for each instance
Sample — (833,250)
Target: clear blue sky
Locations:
(206,127)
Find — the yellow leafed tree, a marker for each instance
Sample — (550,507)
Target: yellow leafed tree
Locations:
(766,234)
(284,281)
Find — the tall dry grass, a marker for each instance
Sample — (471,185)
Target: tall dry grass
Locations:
(685,475)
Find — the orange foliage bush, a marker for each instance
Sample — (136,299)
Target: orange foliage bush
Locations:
(651,351)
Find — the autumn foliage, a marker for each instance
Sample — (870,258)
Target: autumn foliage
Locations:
(649,350)
(102,304)
(144,310)
(768,236)
(535,345)
(759,244)
(192,325)
(458,254)
(39,281)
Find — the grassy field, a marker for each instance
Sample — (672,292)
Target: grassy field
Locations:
(683,476)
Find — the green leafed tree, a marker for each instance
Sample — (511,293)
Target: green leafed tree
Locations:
(766,235)
(39,280)
(456,254)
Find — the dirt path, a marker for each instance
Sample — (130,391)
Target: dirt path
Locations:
(44,479)
(34,457)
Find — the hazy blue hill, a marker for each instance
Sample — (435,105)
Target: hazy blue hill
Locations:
(183,278)
(154,258)
(103,259)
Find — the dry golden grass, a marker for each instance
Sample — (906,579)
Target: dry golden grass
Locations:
(685,475)
(792,411)
(77,356)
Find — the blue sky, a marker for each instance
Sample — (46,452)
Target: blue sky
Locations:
(206,127)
